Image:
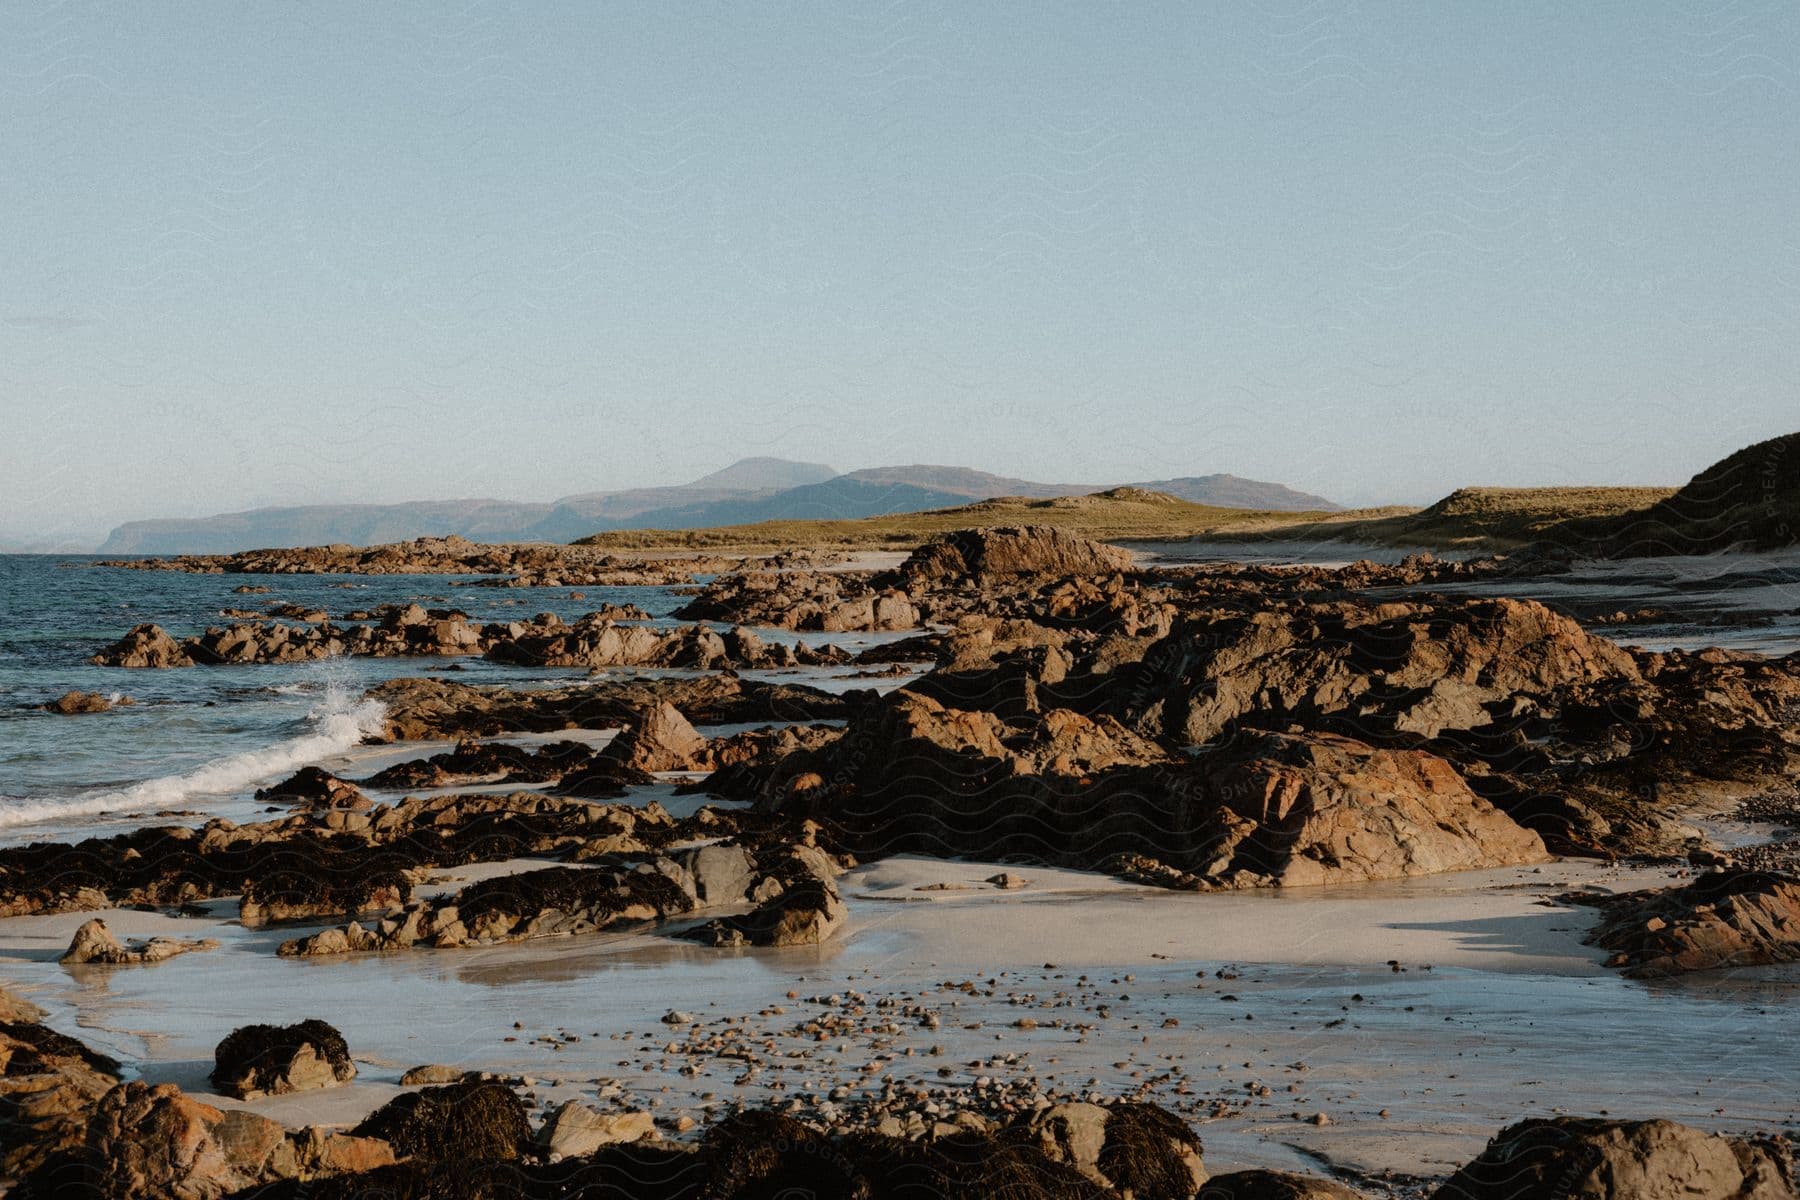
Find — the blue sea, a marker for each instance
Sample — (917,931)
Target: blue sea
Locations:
(199,735)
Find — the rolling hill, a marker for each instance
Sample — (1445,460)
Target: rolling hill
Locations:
(1122,513)
(748,492)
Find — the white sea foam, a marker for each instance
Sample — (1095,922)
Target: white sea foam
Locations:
(339,721)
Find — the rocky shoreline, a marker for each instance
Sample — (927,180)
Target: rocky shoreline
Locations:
(1212,729)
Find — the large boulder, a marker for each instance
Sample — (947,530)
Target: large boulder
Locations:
(145,646)
(981,555)
(1733,918)
(574,1130)
(1301,809)
(273,1060)
(663,740)
(721,873)
(1134,1150)
(1582,1158)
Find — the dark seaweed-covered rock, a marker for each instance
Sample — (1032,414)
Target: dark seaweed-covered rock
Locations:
(294,889)
(273,1060)
(474,1121)
(551,902)
(320,865)
(313,787)
(1136,1149)
(477,761)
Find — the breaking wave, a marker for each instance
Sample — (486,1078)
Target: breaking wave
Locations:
(337,723)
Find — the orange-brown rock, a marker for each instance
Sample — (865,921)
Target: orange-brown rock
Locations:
(1585,1158)
(1730,918)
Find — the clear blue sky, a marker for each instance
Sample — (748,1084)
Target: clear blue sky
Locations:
(285,253)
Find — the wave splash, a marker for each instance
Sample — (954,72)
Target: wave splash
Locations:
(338,722)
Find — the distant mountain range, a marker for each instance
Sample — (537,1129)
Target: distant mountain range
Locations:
(754,489)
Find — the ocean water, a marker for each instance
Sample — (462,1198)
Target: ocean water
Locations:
(199,735)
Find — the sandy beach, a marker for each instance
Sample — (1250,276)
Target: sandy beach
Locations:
(1493,1008)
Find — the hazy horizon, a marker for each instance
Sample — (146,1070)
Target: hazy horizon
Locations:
(284,256)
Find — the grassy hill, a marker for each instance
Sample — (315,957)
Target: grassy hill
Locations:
(1118,514)
(1484,518)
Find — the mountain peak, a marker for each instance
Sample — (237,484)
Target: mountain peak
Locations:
(764,473)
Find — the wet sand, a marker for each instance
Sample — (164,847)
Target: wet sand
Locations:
(1201,1002)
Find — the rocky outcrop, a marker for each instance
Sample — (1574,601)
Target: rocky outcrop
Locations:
(1318,808)
(983,555)
(291,889)
(600,643)
(74,703)
(662,740)
(49,1085)
(418,709)
(14,1007)
(1731,918)
(1399,668)
(95,943)
(552,902)
(151,1142)
(593,641)
(910,775)
(313,788)
(144,646)
(826,601)
(273,1060)
(1590,1159)
(326,864)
